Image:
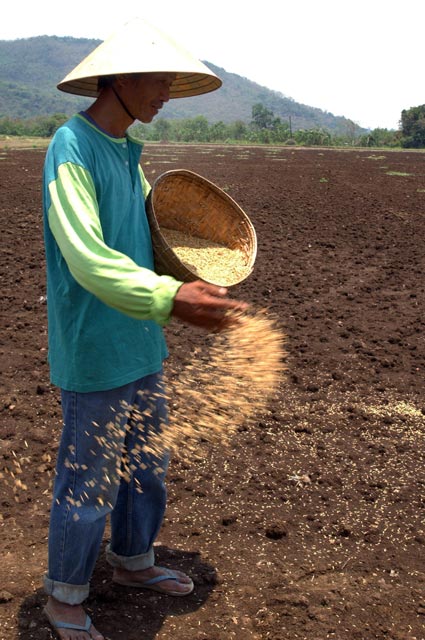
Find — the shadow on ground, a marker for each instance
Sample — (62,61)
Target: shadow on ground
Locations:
(120,612)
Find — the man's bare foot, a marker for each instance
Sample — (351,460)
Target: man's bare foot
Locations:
(155,578)
(60,612)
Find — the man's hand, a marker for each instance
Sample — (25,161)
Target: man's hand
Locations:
(205,305)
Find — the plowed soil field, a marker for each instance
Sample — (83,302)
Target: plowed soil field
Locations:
(311,524)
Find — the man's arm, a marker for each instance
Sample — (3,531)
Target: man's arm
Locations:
(111,276)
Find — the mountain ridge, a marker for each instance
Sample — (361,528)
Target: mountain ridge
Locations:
(30,69)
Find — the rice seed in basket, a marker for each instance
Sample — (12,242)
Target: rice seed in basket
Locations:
(207,259)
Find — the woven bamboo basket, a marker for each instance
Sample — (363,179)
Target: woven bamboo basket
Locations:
(188,203)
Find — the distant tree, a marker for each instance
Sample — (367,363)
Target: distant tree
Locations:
(262,118)
(9,127)
(266,128)
(238,130)
(41,126)
(46,126)
(218,131)
(162,128)
(313,137)
(194,129)
(413,127)
(281,131)
(380,138)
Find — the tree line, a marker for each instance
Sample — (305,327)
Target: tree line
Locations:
(264,128)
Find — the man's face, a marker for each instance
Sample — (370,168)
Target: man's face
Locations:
(145,93)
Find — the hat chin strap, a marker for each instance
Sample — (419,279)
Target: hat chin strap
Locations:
(121,101)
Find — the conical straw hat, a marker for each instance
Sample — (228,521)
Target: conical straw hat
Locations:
(139,47)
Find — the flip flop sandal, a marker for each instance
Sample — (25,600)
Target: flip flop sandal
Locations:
(154,584)
(58,624)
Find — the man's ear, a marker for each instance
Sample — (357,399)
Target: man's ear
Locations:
(122,79)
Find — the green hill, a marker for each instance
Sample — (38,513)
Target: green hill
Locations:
(30,68)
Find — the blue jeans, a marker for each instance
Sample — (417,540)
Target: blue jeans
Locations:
(102,469)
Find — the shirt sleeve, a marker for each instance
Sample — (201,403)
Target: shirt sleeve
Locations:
(146,187)
(111,276)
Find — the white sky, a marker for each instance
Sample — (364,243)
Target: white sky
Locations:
(362,59)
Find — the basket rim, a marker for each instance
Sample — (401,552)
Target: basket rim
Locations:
(225,196)
(167,249)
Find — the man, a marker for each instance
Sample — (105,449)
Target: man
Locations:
(106,308)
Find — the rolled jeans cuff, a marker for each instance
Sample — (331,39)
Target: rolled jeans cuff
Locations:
(130,563)
(64,592)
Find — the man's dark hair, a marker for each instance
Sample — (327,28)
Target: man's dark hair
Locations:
(105,81)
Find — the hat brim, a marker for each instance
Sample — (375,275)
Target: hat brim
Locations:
(184,86)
